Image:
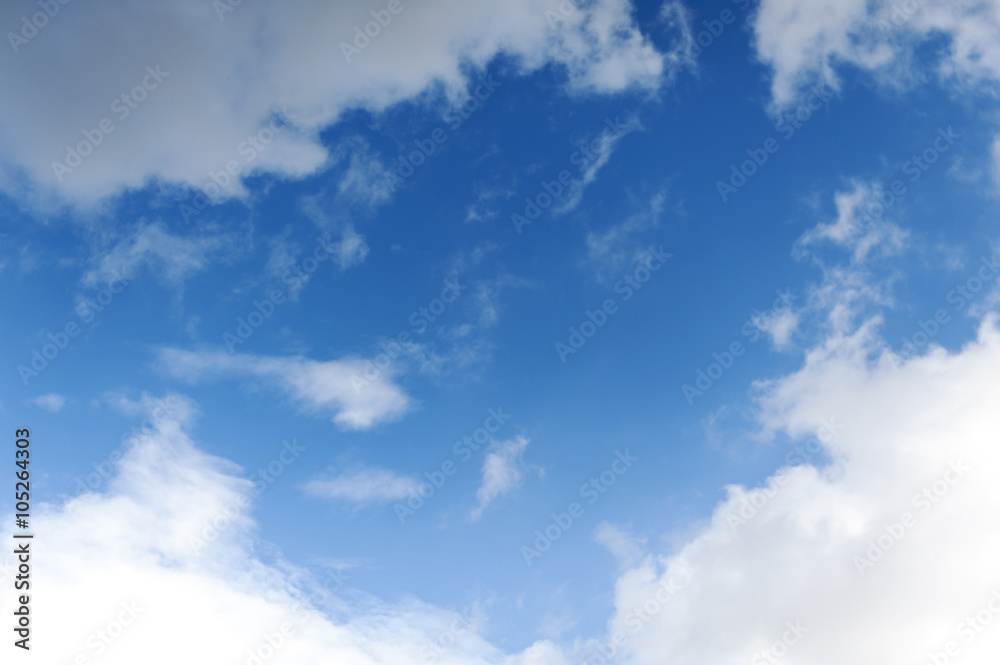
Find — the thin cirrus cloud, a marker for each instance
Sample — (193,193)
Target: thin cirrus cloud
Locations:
(503,472)
(332,387)
(363,486)
(171,256)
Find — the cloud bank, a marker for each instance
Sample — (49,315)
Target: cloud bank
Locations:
(878,556)
(266,79)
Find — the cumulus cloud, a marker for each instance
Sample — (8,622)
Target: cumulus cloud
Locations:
(125,585)
(503,472)
(363,485)
(869,546)
(269,79)
(338,388)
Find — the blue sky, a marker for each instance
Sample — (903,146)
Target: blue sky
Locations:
(568,169)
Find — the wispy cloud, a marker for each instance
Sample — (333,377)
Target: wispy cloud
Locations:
(593,154)
(614,248)
(327,387)
(363,485)
(172,257)
(503,472)
(859,225)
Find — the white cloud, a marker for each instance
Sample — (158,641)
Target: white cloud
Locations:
(219,602)
(172,257)
(463,348)
(805,41)
(593,154)
(339,388)
(623,545)
(780,326)
(848,291)
(486,207)
(51,402)
(282,259)
(794,549)
(351,249)
(363,179)
(288,266)
(265,61)
(613,249)
(283,255)
(860,225)
(995,154)
(503,472)
(363,485)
